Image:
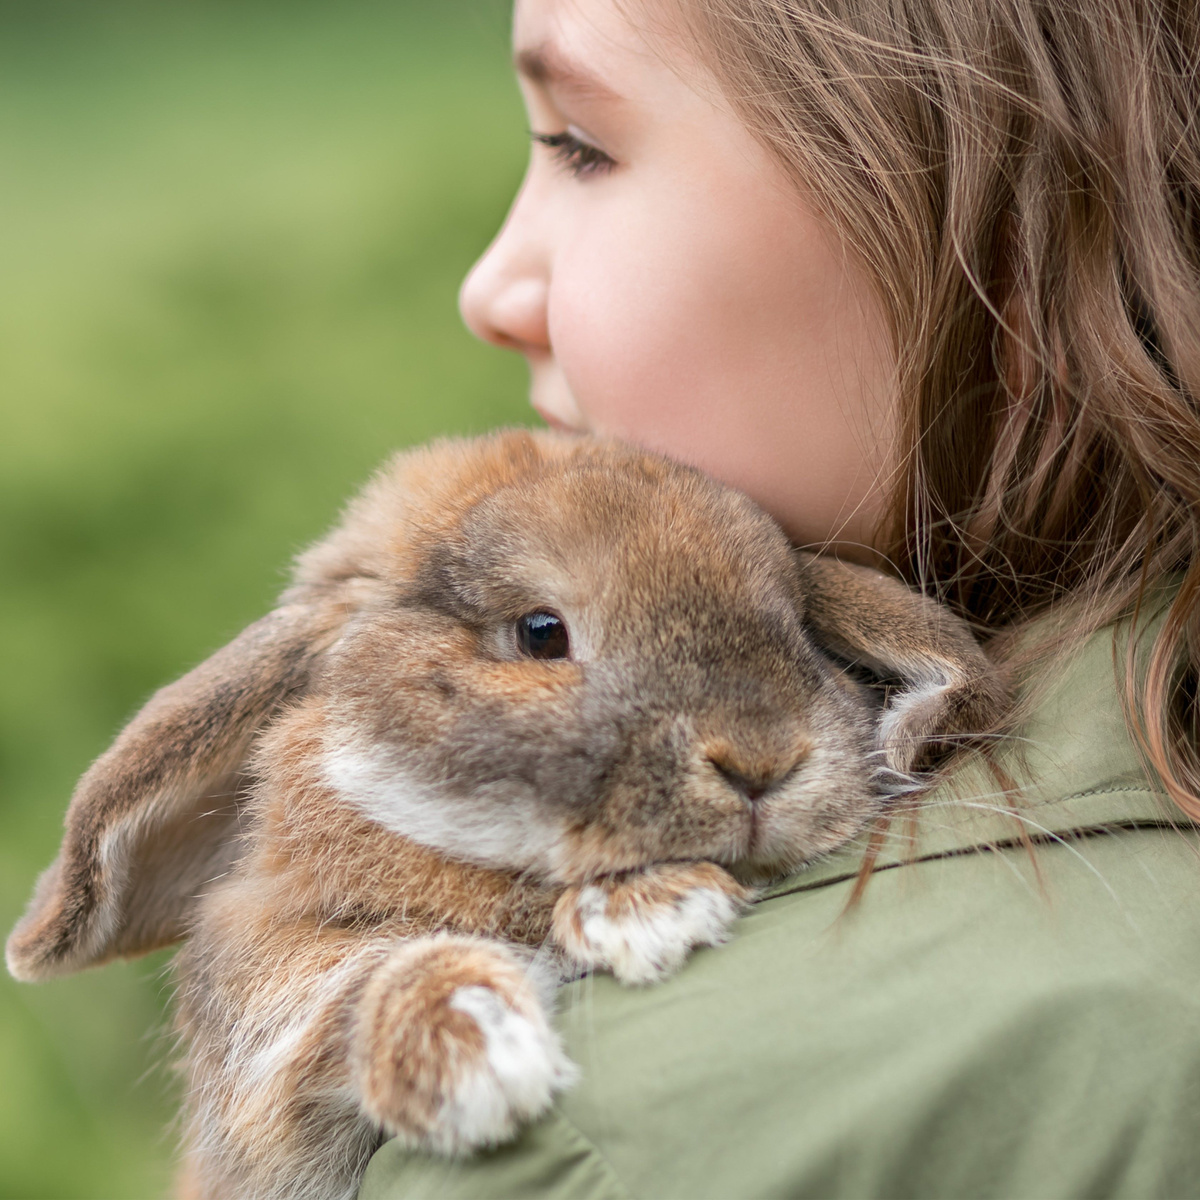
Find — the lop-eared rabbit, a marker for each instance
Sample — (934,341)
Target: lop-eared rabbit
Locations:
(538,705)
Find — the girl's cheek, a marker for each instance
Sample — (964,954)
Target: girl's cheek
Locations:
(627,336)
(729,360)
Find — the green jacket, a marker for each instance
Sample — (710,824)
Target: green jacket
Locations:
(983,1024)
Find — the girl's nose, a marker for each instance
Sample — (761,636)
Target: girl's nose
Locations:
(505,294)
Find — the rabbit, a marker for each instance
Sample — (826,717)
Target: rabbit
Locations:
(539,705)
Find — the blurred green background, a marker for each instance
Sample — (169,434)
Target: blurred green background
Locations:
(231,235)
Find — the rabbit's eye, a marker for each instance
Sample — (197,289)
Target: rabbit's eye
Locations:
(542,635)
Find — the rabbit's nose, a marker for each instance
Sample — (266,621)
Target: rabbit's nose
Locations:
(752,779)
(751,787)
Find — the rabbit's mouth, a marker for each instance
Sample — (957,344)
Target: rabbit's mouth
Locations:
(761,837)
(755,834)
(759,845)
(785,831)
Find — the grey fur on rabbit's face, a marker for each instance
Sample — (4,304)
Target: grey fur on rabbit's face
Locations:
(694,716)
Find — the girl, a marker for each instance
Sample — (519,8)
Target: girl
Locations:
(924,279)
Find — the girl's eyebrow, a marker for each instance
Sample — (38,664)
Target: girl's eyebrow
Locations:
(546,64)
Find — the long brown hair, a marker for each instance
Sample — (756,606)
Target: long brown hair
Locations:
(1022,180)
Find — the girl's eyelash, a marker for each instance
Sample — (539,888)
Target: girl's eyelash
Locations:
(579,157)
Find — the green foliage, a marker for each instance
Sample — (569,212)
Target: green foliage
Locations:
(231,236)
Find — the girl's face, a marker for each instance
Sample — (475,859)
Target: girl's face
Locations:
(669,286)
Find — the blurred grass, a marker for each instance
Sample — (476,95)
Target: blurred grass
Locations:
(231,236)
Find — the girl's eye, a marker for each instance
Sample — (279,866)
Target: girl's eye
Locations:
(542,635)
(579,157)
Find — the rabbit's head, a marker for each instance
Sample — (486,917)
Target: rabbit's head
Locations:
(538,653)
(602,663)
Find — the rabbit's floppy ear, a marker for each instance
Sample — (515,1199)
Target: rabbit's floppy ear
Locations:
(945,689)
(156,816)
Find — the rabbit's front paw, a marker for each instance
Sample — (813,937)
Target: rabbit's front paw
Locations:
(453,1048)
(641,925)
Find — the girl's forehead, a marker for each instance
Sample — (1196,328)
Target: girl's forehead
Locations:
(598,50)
(568,25)
(569,44)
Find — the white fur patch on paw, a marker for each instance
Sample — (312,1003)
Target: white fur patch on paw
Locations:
(647,943)
(522,1069)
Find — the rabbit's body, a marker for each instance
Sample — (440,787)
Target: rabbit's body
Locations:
(272,1005)
(538,704)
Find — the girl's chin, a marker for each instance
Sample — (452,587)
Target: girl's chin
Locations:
(552,399)
(556,422)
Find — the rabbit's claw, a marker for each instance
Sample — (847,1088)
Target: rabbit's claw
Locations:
(641,925)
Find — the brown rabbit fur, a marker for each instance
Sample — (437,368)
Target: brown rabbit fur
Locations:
(386,816)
